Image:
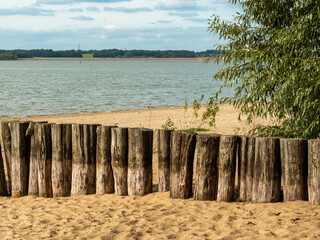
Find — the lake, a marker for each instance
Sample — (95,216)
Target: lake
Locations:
(30,88)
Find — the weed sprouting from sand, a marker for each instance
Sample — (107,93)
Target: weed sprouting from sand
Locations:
(207,117)
(197,121)
(169,125)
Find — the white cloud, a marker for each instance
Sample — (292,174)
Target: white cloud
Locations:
(136,16)
(110,27)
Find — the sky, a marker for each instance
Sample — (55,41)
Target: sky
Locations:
(107,24)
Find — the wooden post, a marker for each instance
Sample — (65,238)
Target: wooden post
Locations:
(246,151)
(206,157)
(44,158)
(294,162)
(119,159)
(84,141)
(104,178)
(164,160)
(61,159)
(227,167)
(20,152)
(140,142)
(3,184)
(182,154)
(6,146)
(33,186)
(267,171)
(314,171)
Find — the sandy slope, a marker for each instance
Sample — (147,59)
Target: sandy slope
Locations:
(155,216)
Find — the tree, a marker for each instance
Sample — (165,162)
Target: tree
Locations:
(271,59)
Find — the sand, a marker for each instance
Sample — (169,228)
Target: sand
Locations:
(155,216)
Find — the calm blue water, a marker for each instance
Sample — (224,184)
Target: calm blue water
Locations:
(60,87)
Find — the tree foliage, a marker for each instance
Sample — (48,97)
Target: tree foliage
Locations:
(271,57)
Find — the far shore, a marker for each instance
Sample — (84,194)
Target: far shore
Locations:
(110,59)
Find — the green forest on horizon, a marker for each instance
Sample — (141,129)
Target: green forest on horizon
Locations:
(105,53)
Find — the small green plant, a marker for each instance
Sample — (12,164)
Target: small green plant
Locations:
(197,120)
(208,116)
(169,125)
(211,113)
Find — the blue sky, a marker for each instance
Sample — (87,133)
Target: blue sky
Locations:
(105,24)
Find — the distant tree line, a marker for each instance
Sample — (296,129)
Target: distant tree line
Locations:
(105,53)
(8,56)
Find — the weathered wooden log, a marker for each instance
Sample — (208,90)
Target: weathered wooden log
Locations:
(43,141)
(227,167)
(206,176)
(294,163)
(119,159)
(84,141)
(20,153)
(181,159)
(267,171)
(61,159)
(3,184)
(104,178)
(140,142)
(6,147)
(246,151)
(164,159)
(314,171)
(33,186)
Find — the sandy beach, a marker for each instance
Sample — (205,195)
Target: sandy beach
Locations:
(155,216)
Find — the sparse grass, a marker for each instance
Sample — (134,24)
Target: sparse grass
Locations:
(88,55)
(197,121)
(196,130)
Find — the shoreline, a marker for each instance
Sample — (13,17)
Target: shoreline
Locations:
(226,120)
(113,59)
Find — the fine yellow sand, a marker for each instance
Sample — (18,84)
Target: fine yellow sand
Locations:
(155,216)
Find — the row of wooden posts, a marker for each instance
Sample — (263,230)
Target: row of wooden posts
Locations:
(58,160)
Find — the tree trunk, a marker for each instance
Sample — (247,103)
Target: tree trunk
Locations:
(6,146)
(182,154)
(267,172)
(140,142)
(314,171)
(206,157)
(119,159)
(61,159)
(44,158)
(105,180)
(84,141)
(3,184)
(20,153)
(246,167)
(227,167)
(164,160)
(294,162)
